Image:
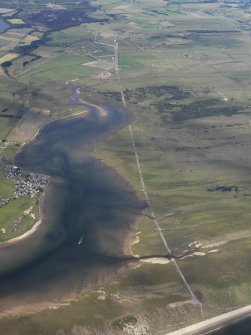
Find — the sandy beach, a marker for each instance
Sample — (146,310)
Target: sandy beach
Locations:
(102,111)
(24,235)
(207,326)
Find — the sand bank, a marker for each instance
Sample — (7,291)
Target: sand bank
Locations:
(26,234)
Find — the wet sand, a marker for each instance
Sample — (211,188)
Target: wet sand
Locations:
(24,235)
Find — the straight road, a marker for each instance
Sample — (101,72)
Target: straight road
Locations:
(188,287)
(180,273)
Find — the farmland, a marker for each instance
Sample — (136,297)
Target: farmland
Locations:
(185,74)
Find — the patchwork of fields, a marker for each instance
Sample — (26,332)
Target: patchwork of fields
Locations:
(185,73)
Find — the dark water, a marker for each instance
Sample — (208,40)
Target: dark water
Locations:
(3,26)
(242,327)
(85,201)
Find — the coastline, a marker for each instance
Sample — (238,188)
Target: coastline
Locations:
(45,124)
(33,228)
(210,325)
(128,242)
(39,221)
(203,327)
(21,237)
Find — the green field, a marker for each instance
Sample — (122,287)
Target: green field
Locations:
(185,72)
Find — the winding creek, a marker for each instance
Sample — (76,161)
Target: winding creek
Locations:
(88,213)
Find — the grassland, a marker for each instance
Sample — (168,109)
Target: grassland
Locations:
(5,10)
(14,220)
(7,57)
(186,133)
(185,71)
(16,21)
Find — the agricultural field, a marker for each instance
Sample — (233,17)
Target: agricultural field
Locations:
(16,21)
(7,57)
(185,71)
(29,39)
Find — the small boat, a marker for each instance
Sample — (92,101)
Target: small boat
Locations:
(81,239)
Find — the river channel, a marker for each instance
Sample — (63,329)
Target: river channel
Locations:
(88,211)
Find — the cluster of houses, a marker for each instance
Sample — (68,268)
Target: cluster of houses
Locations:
(25,184)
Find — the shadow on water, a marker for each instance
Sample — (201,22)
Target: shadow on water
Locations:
(87,213)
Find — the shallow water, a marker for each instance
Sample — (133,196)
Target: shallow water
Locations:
(87,214)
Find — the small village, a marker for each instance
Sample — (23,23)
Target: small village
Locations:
(26,185)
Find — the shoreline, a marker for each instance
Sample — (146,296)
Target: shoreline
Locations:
(45,124)
(39,221)
(35,226)
(128,243)
(101,110)
(215,323)
(112,272)
(23,236)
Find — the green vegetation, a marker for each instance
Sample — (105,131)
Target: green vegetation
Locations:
(14,221)
(185,72)
(63,68)
(122,322)
(135,59)
(7,57)
(7,186)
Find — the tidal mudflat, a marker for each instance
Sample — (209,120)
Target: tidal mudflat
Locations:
(88,213)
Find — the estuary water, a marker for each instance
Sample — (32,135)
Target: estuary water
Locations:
(88,212)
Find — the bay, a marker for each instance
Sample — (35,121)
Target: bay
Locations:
(88,212)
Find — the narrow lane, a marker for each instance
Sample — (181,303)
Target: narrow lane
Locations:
(188,287)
